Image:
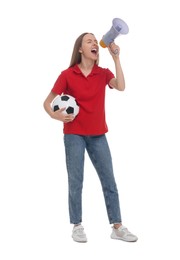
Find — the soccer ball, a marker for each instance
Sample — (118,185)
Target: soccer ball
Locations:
(68,102)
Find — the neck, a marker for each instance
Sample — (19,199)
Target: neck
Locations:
(86,68)
(86,65)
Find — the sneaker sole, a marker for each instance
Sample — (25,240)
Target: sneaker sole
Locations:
(79,241)
(125,240)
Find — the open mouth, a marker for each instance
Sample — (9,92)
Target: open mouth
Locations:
(94,51)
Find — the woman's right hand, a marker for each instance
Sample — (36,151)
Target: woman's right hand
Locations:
(59,115)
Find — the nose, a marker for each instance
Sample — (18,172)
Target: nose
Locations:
(95,44)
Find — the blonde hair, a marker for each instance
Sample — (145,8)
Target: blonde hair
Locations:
(76,55)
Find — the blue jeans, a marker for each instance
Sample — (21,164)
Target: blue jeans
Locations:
(99,153)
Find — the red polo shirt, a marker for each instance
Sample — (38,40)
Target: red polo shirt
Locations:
(90,94)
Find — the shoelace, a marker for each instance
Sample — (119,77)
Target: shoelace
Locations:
(126,231)
(79,231)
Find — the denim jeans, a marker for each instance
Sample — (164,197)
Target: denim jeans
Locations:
(99,153)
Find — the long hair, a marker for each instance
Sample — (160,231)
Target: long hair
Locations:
(76,55)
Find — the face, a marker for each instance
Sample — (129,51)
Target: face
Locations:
(89,47)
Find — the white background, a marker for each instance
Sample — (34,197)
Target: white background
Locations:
(36,42)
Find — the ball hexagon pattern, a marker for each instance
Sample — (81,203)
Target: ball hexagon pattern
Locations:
(68,102)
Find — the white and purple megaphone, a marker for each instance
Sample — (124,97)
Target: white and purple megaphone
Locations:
(118,27)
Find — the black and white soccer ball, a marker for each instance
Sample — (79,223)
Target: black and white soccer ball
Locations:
(68,102)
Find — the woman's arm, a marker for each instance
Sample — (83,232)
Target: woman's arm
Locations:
(118,82)
(58,115)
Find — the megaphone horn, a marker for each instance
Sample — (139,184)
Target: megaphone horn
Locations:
(118,27)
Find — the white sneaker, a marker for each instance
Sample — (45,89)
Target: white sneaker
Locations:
(123,233)
(78,234)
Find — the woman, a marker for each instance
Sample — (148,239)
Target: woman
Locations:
(86,81)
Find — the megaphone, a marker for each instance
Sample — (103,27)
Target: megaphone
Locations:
(118,27)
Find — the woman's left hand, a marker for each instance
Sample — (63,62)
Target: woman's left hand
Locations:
(114,49)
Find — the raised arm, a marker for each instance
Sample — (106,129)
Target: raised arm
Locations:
(118,82)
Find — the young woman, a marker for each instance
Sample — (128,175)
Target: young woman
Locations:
(86,81)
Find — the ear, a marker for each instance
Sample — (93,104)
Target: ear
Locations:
(80,51)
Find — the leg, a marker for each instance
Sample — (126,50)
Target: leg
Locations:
(74,149)
(99,153)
